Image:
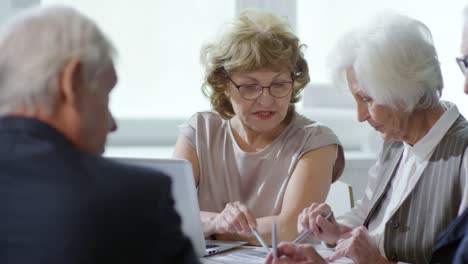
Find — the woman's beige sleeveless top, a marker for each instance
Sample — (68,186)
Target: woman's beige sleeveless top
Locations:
(228,174)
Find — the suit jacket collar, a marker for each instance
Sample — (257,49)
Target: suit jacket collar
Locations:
(32,127)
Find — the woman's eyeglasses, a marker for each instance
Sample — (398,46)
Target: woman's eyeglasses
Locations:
(253,91)
(462,63)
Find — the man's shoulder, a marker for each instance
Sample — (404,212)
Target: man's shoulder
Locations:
(116,172)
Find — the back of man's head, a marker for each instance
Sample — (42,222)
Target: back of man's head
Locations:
(36,44)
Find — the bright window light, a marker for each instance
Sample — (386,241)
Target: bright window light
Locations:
(320,23)
(159,44)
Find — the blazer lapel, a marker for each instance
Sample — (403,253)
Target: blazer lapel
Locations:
(392,157)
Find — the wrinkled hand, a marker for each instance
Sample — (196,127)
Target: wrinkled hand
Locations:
(289,253)
(235,218)
(359,248)
(313,219)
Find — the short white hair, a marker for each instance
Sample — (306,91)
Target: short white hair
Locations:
(34,47)
(394,60)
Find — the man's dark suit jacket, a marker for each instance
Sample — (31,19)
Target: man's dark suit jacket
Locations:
(452,244)
(61,205)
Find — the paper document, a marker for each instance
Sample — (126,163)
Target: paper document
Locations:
(257,255)
(327,253)
(246,255)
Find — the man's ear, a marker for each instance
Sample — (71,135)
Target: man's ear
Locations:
(69,81)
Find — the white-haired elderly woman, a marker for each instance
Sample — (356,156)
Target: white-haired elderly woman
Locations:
(419,182)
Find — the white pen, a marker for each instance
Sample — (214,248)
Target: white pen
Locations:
(274,243)
(301,236)
(260,239)
(307,232)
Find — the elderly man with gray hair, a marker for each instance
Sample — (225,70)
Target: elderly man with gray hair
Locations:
(419,183)
(60,202)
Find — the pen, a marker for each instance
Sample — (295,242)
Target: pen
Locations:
(301,236)
(274,243)
(307,232)
(260,239)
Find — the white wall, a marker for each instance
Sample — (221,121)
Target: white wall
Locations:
(5,9)
(9,7)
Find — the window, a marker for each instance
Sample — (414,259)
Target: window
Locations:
(320,23)
(159,44)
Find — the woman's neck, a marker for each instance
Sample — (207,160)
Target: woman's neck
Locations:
(250,140)
(420,122)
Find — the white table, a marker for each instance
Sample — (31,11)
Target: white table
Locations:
(251,255)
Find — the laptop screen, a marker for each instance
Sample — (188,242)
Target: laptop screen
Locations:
(183,192)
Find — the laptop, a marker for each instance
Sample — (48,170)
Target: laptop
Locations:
(186,202)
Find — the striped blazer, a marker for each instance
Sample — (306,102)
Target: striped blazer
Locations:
(433,203)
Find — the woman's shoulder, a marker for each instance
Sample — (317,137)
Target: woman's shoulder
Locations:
(310,134)
(206,119)
(309,126)
(314,135)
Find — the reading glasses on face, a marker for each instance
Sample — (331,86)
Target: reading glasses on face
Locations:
(462,63)
(253,91)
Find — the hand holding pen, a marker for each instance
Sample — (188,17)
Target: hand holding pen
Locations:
(274,240)
(306,232)
(318,219)
(260,239)
(236,218)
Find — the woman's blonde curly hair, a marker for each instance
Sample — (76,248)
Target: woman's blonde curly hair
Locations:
(255,40)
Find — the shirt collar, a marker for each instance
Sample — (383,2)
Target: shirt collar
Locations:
(424,147)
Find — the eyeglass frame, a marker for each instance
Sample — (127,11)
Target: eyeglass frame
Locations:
(462,63)
(262,87)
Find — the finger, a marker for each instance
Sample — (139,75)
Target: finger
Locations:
(303,221)
(335,256)
(295,251)
(269,258)
(223,221)
(326,226)
(360,235)
(291,251)
(307,252)
(306,212)
(345,229)
(342,244)
(251,220)
(340,251)
(239,218)
(324,209)
(312,226)
(245,218)
(231,223)
(313,206)
(361,230)
(320,210)
(286,248)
